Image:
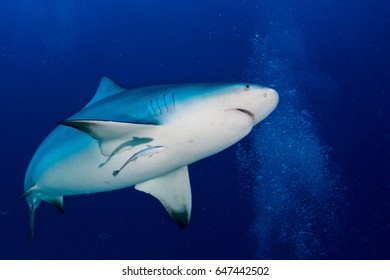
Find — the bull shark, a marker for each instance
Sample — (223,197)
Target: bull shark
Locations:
(83,154)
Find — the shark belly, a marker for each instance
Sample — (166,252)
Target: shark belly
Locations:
(81,171)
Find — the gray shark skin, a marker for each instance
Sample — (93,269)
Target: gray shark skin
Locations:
(192,121)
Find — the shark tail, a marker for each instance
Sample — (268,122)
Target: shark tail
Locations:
(33,209)
(34,197)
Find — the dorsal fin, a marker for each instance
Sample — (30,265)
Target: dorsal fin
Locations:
(107,88)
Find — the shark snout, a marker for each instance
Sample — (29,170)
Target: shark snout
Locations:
(257,103)
(272,98)
(265,103)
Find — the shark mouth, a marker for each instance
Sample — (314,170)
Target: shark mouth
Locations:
(249,113)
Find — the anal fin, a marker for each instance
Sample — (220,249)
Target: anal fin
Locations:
(173,190)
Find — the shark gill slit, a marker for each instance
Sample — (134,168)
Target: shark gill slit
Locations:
(173,99)
(158,105)
(151,105)
(147,109)
(165,102)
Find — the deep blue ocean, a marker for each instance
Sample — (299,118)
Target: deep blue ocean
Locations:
(312,181)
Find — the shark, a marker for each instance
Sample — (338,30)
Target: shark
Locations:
(178,124)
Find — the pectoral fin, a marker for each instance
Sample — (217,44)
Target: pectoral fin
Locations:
(111,135)
(173,190)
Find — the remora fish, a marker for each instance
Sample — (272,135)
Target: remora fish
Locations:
(193,121)
(149,151)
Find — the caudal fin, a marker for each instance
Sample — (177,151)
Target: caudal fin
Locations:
(34,198)
(33,209)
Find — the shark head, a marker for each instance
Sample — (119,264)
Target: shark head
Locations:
(253,101)
(222,113)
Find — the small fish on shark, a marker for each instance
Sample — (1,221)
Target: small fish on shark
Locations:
(127,145)
(193,120)
(149,151)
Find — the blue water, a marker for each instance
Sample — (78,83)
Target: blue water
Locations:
(310,182)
